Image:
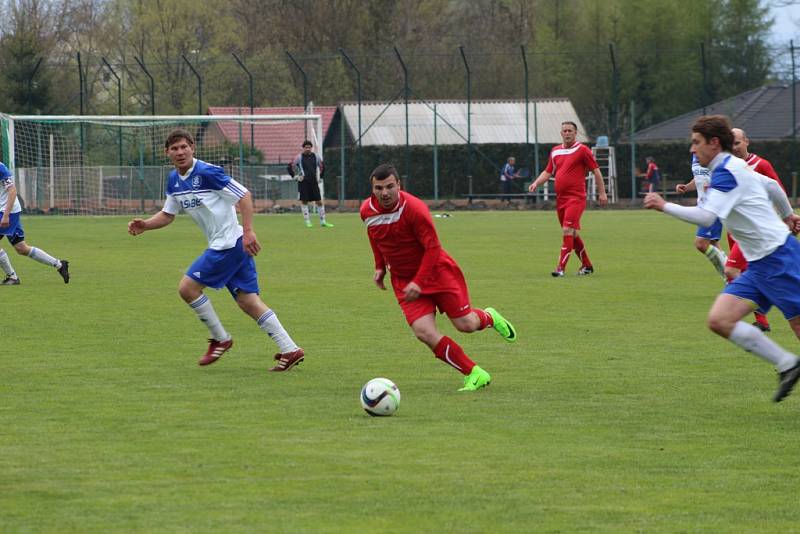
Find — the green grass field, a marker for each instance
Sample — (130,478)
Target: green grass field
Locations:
(617,410)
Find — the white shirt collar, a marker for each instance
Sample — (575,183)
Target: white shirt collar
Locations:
(185,176)
(718,159)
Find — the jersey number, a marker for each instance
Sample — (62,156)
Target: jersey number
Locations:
(191,203)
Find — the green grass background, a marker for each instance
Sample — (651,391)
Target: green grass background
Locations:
(616,410)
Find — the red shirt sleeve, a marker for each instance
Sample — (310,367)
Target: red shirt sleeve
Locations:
(765,168)
(550,167)
(380,263)
(591,163)
(426,235)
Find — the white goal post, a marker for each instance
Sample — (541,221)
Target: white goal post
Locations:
(103,164)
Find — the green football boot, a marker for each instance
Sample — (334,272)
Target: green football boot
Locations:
(477,379)
(309,225)
(326,225)
(503,327)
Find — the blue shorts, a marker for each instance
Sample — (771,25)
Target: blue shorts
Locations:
(232,268)
(772,280)
(14,230)
(712,233)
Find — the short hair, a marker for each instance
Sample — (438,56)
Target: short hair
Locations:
(719,126)
(649,158)
(307,143)
(177,135)
(383,171)
(572,123)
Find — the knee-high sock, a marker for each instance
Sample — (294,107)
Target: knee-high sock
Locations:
(452,354)
(717,258)
(5,263)
(269,323)
(753,340)
(41,256)
(567,244)
(580,251)
(205,312)
(304,209)
(321,209)
(485,319)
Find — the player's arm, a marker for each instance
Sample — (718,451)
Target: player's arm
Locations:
(542,178)
(601,186)
(159,220)
(426,235)
(380,264)
(689,186)
(249,239)
(694,215)
(11,191)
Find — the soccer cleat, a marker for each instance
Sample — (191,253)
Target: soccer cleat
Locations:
(64,271)
(557,273)
(477,379)
(309,225)
(583,271)
(287,360)
(503,327)
(786,381)
(215,351)
(10,281)
(326,225)
(761,322)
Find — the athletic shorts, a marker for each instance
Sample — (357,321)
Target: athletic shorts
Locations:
(232,268)
(712,233)
(447,293)
(772,280)
(14,230)
(569,212)
(736,258)
(308,189)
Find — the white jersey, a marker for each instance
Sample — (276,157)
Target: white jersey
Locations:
(739,197)
(702,180)
(6,182)
(209,197)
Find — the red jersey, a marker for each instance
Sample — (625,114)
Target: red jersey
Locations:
(569,166)
(652,168)
(762,166)
(404,240)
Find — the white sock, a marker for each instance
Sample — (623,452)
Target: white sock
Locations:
(41,256)
(205,311)
(717,258)
(5,263)
(304,208)
(321,209)
(269,323)
(753,340)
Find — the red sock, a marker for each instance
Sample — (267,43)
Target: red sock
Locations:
(566,249)
(485,318)
(761,319)
(452,354)
(580,251)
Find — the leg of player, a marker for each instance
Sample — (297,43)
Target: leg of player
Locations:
(322,222)
(479,319)
(450,352)
(725,320)
(289,354)
(580,251)
(734,267)
(11,278)
(714,254)
(37,254)
(567,245)
(306,215)
(191,292)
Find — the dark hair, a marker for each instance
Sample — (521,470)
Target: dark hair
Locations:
(572,123)
(649,158)
(383,171)
(719,126)
(177,135)
(307,143)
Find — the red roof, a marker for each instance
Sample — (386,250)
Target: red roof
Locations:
(279,142)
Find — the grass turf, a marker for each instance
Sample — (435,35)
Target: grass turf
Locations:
(615,411)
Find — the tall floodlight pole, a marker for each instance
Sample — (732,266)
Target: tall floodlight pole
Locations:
(199,86)
(152,108)
(405,93)
(250,94)
(469,108)
(705,74)
(359,168)
(614,94)
(305,89)
(119,107)
(525,89)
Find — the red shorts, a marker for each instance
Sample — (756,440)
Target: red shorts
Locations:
(736,258)
(569,212)
(447,292)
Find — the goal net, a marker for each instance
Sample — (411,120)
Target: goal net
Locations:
(109,164)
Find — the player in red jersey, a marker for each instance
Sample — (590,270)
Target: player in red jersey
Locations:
(736,264)
(569,162)
(424,277)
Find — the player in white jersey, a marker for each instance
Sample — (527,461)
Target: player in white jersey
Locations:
(707,237)
(209,197)
(11,227)
(746,203)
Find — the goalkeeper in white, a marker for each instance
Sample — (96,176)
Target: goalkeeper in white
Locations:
(746,202)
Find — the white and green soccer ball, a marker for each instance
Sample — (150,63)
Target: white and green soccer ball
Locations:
(380,396)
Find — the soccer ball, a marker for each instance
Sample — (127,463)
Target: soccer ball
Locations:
(380,396)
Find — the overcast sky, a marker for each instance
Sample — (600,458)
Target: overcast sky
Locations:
(786,24)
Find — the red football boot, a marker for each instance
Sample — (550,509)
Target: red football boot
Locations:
(215,351)
(287,360)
